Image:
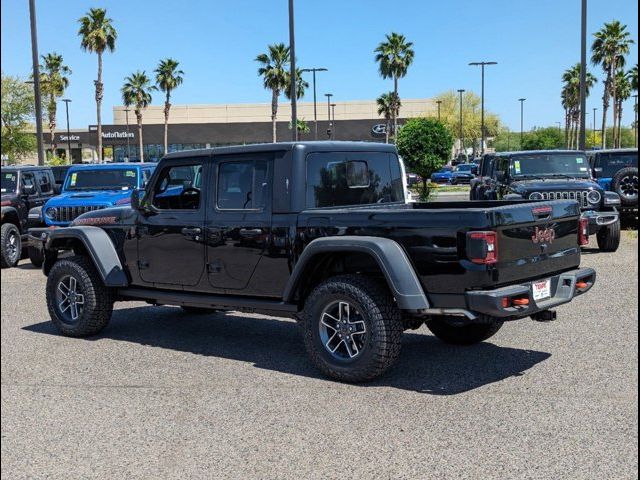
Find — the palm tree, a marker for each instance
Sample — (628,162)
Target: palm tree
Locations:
(136,92)
(168,77)
(385,108)
(571,101)
(303,126)
(55,79)
(612,42)
(633,74)
(301,85)
(623,93)
(98,35)
(394,56)
(273,70)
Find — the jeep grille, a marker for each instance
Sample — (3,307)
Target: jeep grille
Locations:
(579,196)
(69,214)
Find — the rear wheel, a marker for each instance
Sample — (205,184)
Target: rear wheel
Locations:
(11,244)
(352,328)
(609,237)
(77,299)
(469,334)
(36,257)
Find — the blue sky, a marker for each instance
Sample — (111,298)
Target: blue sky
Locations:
(217,40)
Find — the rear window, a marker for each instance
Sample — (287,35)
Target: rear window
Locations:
(611,163)
(340,179)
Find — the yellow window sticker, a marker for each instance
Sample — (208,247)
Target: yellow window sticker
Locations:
(74,177)
(516,166)
(130,173)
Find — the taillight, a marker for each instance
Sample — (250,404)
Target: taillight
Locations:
(583,232)
(482,247)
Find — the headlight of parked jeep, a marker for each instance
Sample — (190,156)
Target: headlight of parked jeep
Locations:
(611,199)
(594,197)
(52,213)
(535,196)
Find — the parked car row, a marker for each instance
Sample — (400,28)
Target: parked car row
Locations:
(455,175)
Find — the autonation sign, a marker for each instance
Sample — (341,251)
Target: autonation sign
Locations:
(117,134)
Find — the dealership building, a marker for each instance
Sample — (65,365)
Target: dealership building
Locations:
(204,126)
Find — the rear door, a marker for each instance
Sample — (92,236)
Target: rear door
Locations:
(171,242)
(239,222)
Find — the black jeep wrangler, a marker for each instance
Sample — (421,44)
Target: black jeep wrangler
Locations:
(23,188)
(617,171)
(319,231)
(552,175)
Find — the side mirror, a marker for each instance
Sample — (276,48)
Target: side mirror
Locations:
(136,196)
(57,189)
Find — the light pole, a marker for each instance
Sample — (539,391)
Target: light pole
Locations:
(482,133)
(315,106)
(521,100)
(333,119)
(66,107)
(36,80)
(293,74)
(461,91)
(582,142)
(439,102)
(594,126)
(126,116)
(330,129)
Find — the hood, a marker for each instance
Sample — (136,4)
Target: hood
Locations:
(98,197)
(554,185)
(107,216)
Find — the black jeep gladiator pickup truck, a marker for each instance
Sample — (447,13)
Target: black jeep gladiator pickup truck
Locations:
(321,232)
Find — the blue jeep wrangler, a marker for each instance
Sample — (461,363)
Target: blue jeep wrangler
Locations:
(617,171)
(93,187)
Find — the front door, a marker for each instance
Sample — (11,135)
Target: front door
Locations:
(171,243)
(239,225)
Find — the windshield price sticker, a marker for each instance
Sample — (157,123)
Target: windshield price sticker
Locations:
(516,165)
(130,173)
(579,160)
(74,178)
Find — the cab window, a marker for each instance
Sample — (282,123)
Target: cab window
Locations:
(244,184)
(178,187)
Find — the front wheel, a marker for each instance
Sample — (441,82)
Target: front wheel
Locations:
(78,301)
(11,244)
(352,328)
(463,334)
(609,237)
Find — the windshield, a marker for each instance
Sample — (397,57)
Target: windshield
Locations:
(612,163)
(9,182)
(102,179)
(464,168)
(550,165)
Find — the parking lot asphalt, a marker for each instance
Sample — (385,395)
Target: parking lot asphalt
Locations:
(161,394)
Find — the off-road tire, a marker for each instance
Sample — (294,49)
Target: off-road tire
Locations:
(629,176)
(10,259)
(609,237)
(381,317)
(465,334)
(98,299)
(198,310)
(36,257)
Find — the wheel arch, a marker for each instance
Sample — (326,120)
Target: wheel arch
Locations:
(93,242)
(385,255)
(10,215)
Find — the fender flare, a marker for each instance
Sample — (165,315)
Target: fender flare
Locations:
(513,196)
(101,249)
(10,211)
(388,254)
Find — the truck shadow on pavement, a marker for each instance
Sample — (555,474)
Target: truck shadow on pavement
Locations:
(426,364)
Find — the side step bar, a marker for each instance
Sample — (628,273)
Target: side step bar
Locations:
(163,297)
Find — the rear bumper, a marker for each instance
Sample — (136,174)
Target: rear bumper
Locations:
(597,220)
(563,290)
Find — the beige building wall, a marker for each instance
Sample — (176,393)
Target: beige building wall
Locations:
(261,112)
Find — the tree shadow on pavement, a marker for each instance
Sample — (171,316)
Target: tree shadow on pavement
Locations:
(426,364)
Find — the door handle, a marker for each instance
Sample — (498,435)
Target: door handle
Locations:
(191,231)
(250,232)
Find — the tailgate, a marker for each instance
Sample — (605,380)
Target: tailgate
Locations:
(536,239)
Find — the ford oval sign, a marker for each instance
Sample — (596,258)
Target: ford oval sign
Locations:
(379,129)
